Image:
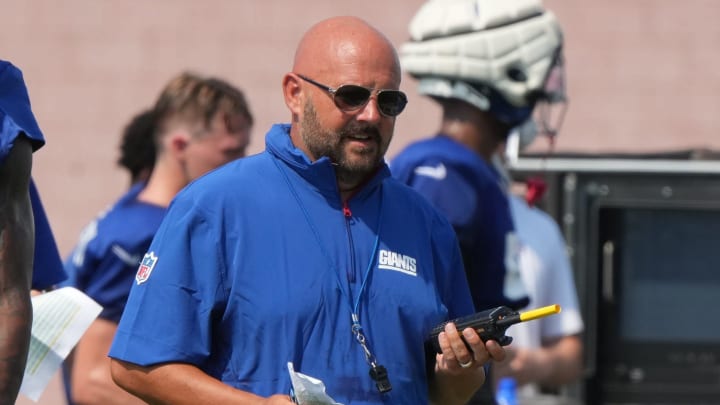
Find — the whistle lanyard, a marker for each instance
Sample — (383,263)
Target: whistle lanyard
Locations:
(357,329)
(377,372)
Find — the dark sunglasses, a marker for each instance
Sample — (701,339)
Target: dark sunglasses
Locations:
(351,97)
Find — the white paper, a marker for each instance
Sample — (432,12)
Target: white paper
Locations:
(309,390)
(60,317)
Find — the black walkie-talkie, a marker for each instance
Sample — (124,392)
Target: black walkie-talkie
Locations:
(492,323)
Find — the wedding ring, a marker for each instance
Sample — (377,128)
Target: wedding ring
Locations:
(468,364)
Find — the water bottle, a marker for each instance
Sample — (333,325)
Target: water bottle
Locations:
(506,392)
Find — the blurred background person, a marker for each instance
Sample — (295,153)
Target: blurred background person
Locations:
(477,61)
(137,156)
(450,56)
(137,147)
(546,354)
(197,124)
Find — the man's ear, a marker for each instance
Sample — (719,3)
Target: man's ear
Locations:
(178,142)
(293,94)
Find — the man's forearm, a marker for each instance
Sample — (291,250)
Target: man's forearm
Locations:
(17,240)
(182,384)
(565,364)
(91,381)
(15,324)
(15,304)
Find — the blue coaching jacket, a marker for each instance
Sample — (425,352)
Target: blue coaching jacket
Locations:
(258,264)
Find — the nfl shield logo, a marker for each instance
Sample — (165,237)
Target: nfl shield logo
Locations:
(146,267)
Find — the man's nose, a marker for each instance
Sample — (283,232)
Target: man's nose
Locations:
(370,111)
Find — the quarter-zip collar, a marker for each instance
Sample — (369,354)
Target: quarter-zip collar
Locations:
(321,173)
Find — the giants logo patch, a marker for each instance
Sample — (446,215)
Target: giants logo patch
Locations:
(388,260)
(146,267)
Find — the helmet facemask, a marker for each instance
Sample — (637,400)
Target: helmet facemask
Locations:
(551,103)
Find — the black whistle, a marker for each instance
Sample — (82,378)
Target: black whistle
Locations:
(380,376)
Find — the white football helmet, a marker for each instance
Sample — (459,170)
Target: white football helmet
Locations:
(502,56)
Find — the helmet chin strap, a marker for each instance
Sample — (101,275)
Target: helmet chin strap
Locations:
(536,186)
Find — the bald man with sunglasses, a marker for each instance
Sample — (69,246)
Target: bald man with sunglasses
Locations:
(308,253)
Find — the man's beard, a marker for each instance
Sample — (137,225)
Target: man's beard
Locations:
(350,168)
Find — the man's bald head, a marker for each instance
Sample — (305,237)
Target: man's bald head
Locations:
(338,41)
(352,130)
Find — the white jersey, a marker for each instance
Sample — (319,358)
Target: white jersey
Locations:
(547,275)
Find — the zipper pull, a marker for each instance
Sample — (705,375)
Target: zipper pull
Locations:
(346,210)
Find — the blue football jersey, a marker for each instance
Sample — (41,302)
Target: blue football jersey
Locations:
(108,253)
(17,120)
(461,185)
